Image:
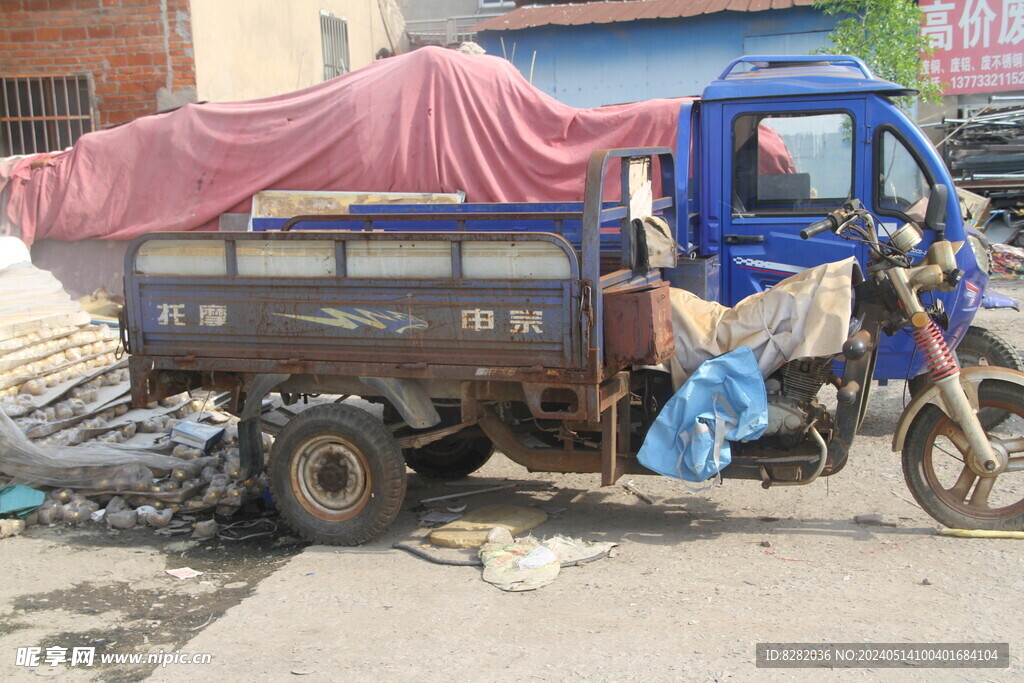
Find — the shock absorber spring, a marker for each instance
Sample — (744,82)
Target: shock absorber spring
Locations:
(937,354)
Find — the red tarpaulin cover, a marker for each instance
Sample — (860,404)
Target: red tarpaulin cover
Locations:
(433,120)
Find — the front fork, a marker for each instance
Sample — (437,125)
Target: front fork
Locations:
(945,372)
(941,362)
(860,351)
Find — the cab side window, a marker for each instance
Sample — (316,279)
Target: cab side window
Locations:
(791,163)
(903,187)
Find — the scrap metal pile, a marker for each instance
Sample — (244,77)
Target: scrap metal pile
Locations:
(66,425)
(1007,261)
(985,153)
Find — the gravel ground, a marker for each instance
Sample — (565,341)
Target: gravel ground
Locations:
(697,579)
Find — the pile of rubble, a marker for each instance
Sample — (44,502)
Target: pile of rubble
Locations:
(1007,261)
(67,426)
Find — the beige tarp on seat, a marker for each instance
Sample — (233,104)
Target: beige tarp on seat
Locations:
(803,316)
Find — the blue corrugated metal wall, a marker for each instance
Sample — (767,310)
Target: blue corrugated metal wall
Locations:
(597,64)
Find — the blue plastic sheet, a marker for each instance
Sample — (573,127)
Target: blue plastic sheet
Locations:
(997,300)
(723,401)
(20,501)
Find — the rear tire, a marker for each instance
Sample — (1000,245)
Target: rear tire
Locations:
(451,458)
(336,475)
(945,487)
(979,347)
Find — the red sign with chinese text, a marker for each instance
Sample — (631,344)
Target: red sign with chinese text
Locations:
(979,44)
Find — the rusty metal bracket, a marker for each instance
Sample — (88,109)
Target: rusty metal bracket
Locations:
(548,459)
(613,389)
(138,370)
(470,408)
(615,441)
(418,440)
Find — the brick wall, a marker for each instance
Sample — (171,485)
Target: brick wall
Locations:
(140,56)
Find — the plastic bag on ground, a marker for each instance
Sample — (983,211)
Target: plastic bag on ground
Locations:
(523,565)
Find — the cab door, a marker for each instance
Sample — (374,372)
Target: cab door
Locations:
(905,167)
(785,166)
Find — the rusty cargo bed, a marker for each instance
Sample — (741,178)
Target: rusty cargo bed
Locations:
(428,323)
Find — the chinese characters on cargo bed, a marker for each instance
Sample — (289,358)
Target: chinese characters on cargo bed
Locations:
(209,315)
(475,319)
(519,322)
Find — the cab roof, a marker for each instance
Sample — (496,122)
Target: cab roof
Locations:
(788,75)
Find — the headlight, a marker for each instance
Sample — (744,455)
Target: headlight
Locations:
(981,252)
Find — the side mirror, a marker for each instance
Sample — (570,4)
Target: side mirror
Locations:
(935,216)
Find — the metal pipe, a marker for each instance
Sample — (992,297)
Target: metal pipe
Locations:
(957,129)
(466,494)
(1013,445)
(822,457)
(47,146)
(32,115)
(56,113)
(1002,114)
(67,112)
(8,126)
(979,123)
(21,124)
(997,176)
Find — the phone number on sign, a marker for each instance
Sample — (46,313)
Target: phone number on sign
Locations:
(988,80)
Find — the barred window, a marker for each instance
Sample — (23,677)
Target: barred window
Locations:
(43,113)
(334,37)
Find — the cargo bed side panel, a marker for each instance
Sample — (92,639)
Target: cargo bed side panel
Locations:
(505,323)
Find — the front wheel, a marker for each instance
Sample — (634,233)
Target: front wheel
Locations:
(940,480)
(336,474)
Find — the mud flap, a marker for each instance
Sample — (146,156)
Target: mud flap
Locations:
(250,436)
(408,397)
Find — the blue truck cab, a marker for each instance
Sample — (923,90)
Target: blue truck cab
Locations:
(773,144)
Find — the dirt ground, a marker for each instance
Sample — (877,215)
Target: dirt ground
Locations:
(697,579)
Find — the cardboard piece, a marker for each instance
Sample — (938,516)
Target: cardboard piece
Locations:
(471,530)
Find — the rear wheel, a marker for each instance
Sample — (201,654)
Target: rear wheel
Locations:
(936,472)
(979,347)
(453,457)
(336,474)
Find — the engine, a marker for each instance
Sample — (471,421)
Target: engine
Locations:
(792,397)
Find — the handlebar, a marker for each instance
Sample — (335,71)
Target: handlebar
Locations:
(834,221)
(891,259)
(827,223)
